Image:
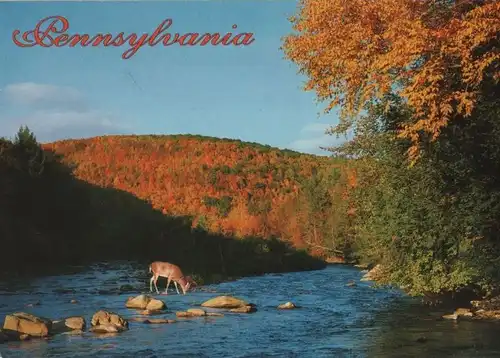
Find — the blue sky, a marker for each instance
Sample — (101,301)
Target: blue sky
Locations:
(249,92)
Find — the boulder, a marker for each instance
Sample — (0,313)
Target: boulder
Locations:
(69,324)
(108,322)
(26,323)
(227,302)
(145,302)
(156,305)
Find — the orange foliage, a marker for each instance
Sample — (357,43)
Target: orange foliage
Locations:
(227,186)
(355,51)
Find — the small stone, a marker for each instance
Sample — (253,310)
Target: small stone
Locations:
(197,312)
(183,314)
(73,301)
(287,306)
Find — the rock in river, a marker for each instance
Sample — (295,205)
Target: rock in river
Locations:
(108,322)
(244,309)
(227,302)
(28,324)
(287,306)
(145,302)
(69,324)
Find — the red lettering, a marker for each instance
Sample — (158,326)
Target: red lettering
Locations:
(99,38)
(83,39)
(61,40)
(167,37)
(193,39)
(135,44)
(226,40)
(207,37)
(27,41)
(247,39)
(158,31)
(44,30)
(50,29)
(119,41)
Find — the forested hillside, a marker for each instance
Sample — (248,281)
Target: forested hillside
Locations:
(214,206)
(226,186)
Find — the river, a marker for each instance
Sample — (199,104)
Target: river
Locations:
(335,320)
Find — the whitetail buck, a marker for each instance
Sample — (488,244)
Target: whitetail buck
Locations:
(172,273)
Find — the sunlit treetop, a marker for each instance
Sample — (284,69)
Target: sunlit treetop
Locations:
(435,54)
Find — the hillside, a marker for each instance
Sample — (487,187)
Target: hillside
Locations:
(226,186)
(217,207)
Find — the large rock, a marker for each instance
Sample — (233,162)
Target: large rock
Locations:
(145,302)
(227,302)
(28,324)
(108,322)
(69,324)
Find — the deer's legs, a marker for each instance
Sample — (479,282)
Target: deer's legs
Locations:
(168,284)
(175,283)
(151,284)
(155,280)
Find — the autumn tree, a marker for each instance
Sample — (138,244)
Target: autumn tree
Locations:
(435,54)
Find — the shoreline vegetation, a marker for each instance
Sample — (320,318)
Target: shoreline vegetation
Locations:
(424,109)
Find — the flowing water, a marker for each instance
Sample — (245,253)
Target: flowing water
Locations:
(334,320)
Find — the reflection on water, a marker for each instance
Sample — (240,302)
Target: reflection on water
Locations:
(334,320)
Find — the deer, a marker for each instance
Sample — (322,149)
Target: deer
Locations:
(172,273)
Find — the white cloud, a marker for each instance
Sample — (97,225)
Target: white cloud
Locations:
(56,112)
(52,125)
(37,95)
